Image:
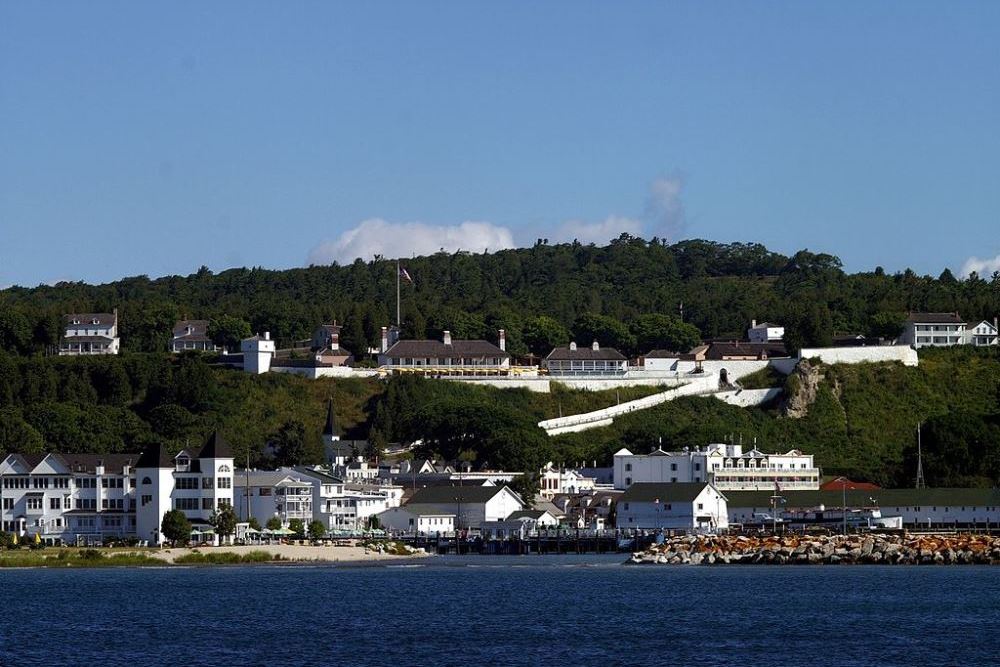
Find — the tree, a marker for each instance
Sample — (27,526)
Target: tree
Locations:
(885,325)
(274,523)
(289,444)
(176,527)
(526,486)
(255,524)
(543,333)
(227,331)
(663,332)
(607,331)
(317,530)
(298,527)
(224,521)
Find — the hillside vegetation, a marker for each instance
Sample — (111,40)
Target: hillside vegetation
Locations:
(862,422)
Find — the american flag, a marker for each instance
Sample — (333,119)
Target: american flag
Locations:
(405,275)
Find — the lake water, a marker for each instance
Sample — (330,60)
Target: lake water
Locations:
(575,610)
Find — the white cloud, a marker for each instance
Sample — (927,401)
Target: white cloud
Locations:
(983,267)
(597,232)
(664,207)
(376,236)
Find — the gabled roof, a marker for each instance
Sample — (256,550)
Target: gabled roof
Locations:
(662,354)
(436,349)
(199,330)
(87,319)
(528,514)
(766,325)
(331,423)
(935,318)
(671,492)
(585,354)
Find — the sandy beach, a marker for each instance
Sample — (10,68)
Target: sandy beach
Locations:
(293,552)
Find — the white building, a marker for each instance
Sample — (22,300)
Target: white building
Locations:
(918,508)
(417,520)
(90,333)
(727,467)
(268,494)
(191,335)
(445,357)
(982,334)
(68,498)
(553,480)
(686,506)
(765,332)
(933,330)
(258,352)
(471,505)
(197,484)
(576,361)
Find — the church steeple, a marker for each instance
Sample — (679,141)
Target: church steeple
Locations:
(330,430)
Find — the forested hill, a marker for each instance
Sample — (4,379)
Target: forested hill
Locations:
(541,295)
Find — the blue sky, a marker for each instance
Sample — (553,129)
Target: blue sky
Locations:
(154,139)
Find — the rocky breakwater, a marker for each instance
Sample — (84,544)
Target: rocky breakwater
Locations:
(960,549)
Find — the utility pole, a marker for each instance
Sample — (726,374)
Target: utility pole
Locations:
(920,461)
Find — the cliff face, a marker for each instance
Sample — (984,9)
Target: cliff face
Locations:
(801,389)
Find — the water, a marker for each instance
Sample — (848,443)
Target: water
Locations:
(579,610)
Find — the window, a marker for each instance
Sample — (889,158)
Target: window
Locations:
(697,466)
(264,491)
(146,480)
(224,468)
(628,481)
(701,506)
(628,467)
(34,503)
(673,466)
(187,483)
(207,482)
(673,479)
(206,503)
(185,503)
(225,482)
(8,503)
(626,507)
(55,503)
(146,500)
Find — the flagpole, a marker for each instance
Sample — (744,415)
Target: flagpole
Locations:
(398,325)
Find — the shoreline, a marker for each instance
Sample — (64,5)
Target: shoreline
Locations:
(865,549)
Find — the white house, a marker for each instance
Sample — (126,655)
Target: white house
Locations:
(471,505)
(417,520)
(267,494)
(443,357)
(575,361)
(982,334)
(765,332)
(191,335)
(727,467)
(933,330)
(687,506)
(68,498)
(90,333)
(258,352)
(661,360)
(197,484)
(554,480)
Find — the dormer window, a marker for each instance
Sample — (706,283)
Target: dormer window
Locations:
(75,321)
(95,321)
(183,463)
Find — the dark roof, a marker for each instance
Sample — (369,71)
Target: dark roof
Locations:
(526,514)
(585,354)
(860,498)
(88,462)
(318,473)
(437,349)
(199,329)
(744,349)
(671,492)
(935,318)
(155,457)
(331,422)
(453,494)
(216,447)
(103,319)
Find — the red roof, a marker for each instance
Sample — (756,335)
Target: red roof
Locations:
(839,483)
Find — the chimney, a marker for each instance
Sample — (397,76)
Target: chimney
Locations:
(503,340)
(385,339)
(753,324)
(335,341)
(595,346)
(572,345)
(447,337)
(267,335)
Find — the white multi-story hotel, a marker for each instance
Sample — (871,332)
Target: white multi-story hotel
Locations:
(197,484)
(89,498)
(68,498)
(90,333)
(726,467)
